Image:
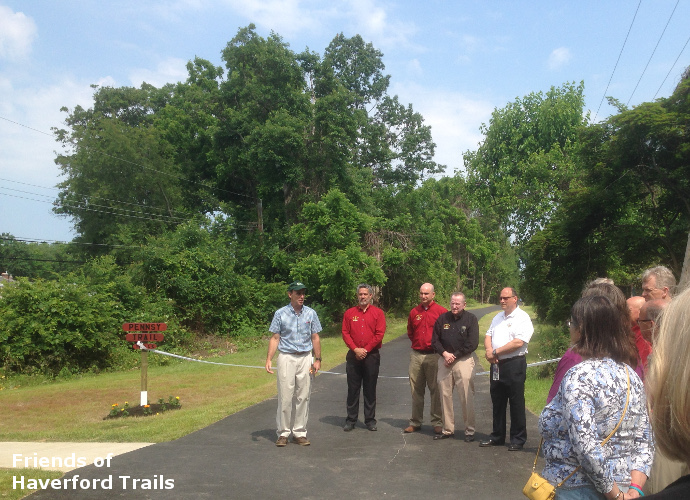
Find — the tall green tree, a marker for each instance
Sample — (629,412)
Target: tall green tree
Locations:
(121,182)
(524,164)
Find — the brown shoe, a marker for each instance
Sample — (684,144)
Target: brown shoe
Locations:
(411,428)
(302,441)
(282,441)
(438,429)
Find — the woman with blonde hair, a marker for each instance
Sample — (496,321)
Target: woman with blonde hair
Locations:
(668,388)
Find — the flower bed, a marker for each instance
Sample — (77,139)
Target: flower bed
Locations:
(116,411)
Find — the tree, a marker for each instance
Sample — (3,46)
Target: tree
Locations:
(524,163)
(325,252)
(121,183)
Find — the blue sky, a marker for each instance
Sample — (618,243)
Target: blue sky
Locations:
(455,62)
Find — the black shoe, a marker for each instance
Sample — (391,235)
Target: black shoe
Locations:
(348,426)
(442,436)
(469,438)
(372,427)
(490,442)
(515,447)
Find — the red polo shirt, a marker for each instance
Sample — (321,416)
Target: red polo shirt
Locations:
(644,348)
(364,328)
(420,325)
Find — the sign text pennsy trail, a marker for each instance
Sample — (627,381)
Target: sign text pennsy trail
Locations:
(144,327)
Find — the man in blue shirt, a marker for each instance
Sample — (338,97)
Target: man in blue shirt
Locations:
(295,330)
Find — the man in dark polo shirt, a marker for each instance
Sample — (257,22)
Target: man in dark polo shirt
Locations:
(455,338)
(363,330)
(423,369)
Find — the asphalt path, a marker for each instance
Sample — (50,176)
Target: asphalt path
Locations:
(237,458)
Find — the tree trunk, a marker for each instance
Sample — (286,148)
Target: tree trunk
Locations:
(685,273)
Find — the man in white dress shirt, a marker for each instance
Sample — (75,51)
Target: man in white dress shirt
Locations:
(506,345)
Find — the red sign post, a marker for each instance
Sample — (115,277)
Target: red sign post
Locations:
(146,334)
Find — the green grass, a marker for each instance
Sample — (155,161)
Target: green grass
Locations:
(73,409)
(6,481)
(36,409)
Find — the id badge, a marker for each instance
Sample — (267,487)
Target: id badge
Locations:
(494,372)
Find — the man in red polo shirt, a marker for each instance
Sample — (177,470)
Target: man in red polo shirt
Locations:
(363,330)
(423,368)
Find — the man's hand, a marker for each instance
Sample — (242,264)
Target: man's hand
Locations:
(448,358)
(315,367)
(491,358)
(269,366)
(360,353)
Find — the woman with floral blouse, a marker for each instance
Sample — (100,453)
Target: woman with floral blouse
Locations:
(589,404)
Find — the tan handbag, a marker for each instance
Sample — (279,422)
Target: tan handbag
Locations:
(538,488)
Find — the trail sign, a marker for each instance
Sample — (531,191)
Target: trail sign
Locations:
(148,346)
(144,337)
(144,327)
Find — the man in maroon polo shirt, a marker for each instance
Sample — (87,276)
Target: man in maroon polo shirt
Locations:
(423,368)
(363,330)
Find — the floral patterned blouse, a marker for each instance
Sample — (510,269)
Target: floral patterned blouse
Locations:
(587,407)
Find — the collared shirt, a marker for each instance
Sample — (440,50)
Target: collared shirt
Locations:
(504,328)
(364,328)
(420,325)
(456,335)
(295,329)
(587,407)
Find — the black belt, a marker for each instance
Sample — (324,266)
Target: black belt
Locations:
(425,351)
(510,359)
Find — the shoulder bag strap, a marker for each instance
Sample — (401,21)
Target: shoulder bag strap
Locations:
(625,409)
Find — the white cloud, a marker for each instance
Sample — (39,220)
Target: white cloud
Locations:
(27,163)
(373,22)
(414,68)
(559,57)
(285,17)
(170,70)
(454,119)
(17,32)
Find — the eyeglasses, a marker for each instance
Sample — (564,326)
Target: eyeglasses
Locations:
(506,298)
(649,290)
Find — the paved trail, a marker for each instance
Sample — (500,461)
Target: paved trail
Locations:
(236,457)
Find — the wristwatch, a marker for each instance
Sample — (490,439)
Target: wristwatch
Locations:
(494,353)
(317,359)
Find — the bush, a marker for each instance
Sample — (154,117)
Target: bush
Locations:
(56,326)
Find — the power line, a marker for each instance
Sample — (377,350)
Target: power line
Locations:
(655,47)
(44,260)
(23,239)
(110,212)
(81,204)
(150,207)
(673,66)
(619,58)
(140,165)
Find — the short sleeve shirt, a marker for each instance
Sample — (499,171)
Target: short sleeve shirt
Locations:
(504,328)
(295,329)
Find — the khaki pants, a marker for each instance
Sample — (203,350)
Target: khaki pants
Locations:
(423,373)
(461,375)
(294,382)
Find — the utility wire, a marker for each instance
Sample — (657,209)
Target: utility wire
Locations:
(140,165)
(674,65)
(618,60)
(108,212)
(82,205)
(650,57)
(149,207)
